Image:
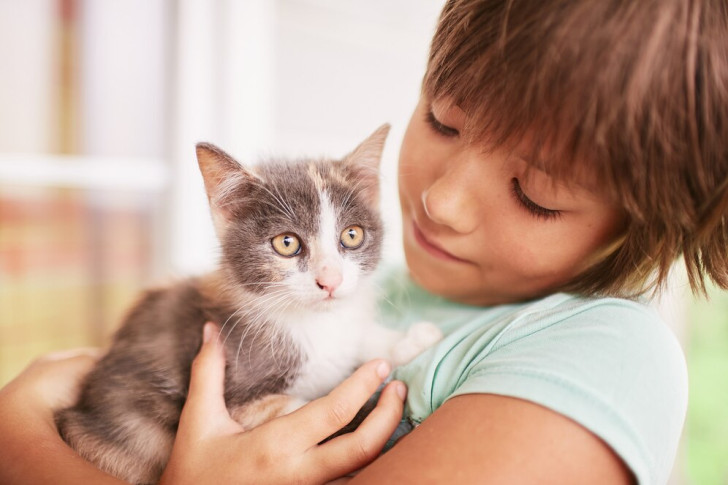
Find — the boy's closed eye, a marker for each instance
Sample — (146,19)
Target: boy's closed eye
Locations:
(533,208)
(439,127)
(539,212)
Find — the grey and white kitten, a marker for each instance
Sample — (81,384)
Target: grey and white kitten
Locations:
(292,294)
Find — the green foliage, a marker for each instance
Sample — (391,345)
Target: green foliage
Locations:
(707,421)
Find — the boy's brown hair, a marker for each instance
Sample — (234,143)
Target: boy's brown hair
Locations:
(632,93)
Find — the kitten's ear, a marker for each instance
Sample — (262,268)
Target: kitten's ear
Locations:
(365,160)
(225,183)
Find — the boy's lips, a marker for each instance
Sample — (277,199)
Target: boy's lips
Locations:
(432,247)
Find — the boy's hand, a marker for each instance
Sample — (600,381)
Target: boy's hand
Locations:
(211,447)
(51,382)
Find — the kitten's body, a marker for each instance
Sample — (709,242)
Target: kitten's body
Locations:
(293,325)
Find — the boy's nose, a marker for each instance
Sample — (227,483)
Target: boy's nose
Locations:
(450,201)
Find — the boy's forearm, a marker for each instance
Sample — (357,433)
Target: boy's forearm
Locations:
(485,438)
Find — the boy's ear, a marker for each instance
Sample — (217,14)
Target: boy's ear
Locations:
(365,160)
(226,183)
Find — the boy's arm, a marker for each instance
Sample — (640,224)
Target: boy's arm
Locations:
(487,438)
(34,453)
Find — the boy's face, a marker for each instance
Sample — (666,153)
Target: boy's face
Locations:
(480,227)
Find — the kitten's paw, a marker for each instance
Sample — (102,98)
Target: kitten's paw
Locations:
(424,334)
(419,337)
(264,409)
(294,404)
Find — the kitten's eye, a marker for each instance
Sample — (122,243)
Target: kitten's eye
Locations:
(286,245)
(352,237)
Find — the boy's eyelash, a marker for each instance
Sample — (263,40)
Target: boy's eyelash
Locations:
(438,127)
(535,209)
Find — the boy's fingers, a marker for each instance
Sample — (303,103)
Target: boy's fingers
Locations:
(205,398)
(332,412)
(55,379)
(352,451)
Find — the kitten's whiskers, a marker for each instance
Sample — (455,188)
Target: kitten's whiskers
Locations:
(382,294)
(226,322)
(358,184)
(285,203)
(284,208)
(255,316)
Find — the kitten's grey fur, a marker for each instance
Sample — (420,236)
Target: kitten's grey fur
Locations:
(127,414)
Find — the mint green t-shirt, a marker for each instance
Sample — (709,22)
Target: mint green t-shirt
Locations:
(609,364)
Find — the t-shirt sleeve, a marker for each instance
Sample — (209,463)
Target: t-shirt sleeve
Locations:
(613,367)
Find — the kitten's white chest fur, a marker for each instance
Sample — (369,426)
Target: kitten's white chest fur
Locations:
(331,343)
(337,341)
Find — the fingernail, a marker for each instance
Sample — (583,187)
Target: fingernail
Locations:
(207,332)
(401,389)
(383,369)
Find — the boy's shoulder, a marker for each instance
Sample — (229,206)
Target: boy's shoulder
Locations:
(610,364)
(575,318)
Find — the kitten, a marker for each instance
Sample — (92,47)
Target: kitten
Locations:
(293,295)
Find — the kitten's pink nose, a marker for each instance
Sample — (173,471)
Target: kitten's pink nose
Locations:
(329,279)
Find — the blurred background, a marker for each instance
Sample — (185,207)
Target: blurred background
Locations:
(102,102)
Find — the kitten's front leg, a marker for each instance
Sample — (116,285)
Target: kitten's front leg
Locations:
(418,338)
(396,346)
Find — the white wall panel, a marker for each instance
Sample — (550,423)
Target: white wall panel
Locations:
(28,30)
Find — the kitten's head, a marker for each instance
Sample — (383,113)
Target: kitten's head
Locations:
(298,234)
